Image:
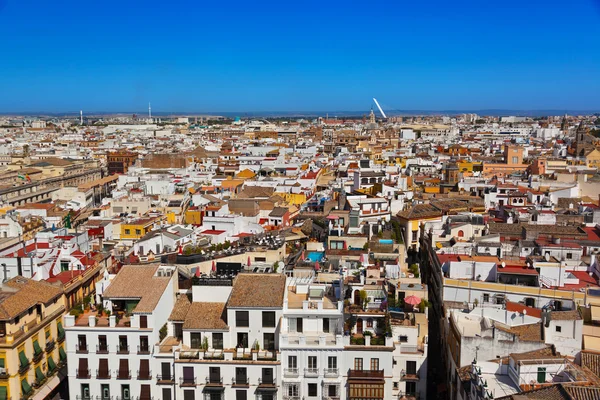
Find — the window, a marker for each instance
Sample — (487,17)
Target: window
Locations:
(85,391)
(292,390)
(332,362)
(326,325)
(128,231)
(125,394)
(269,341)
(189,395)
(144,344)
(166,394)
(123,346)
(358,364)
(411,367)
(336,245)
(268,319)
(374,364)
(143,321)
(267,376)
(81,343)
(217,341)
(486,298)
(105,390)
(242,340)
(411,388)
(415,236)
(195,340)
(370,323)
(292,362)
(241,376)
(241,395)
(102,343)
(138,232)
(312,362)
(569,256)
(312,390)
(242,319)
(515,160)
(403,339)
(558,328)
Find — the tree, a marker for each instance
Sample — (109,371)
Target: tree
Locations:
(363,298)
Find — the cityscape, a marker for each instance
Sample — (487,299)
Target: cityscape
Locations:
(316,201)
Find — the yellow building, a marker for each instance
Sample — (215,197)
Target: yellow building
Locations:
(31,338)
(293,198)
(593,158)
(245,174)
(137,228)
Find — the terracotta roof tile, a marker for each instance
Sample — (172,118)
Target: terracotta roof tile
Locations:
(257,290)
(206,316)
(138,282)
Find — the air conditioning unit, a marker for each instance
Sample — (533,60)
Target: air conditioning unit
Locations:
(2,371)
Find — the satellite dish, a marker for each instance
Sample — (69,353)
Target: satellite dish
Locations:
(503,264)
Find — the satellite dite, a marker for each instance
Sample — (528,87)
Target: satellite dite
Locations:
(379,107)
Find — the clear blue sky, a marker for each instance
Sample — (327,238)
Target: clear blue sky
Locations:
(298,55)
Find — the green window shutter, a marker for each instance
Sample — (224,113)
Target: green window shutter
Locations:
(61,331)
(23,358)
(2,363)
(3,393)
(51,364)
(39,374)
(62,354)
(47,333)
(36,347)
(25,386)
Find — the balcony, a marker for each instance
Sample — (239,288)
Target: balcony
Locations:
(50,345)
(103,374)
(145,349)
(240,381)
(332,372)
(266,382)
(365,374)
(164,380)
(38,356)
(102,349)
(123,374)
(83,373)
(123,349)
(291,372)
(410,376)
(24,367)
(81,349)
(187,382)
(144,375)
(214,380)
(61,337)
(311,372)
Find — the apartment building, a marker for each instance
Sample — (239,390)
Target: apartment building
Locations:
(311,340)
(224,343)
(31,338)
(109,350)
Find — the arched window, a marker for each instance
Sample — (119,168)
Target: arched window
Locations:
(370,323)
(461,234)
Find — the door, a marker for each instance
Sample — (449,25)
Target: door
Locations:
(165,370)
(214,375)
(240,376)
(359,325)
(267,376)
(541,375)
(357,297)
(188,375)
(326,325)
(145,392)
(124,368)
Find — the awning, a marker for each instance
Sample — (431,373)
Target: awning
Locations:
(36,347)
(25,386)
(23,358)
(39,374)
(51,364)
(62,354)
(213,389)
(596,313)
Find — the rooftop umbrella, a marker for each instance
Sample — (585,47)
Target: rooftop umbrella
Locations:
(198,272)
(412,300)
(317,266)
(214,266)
(248,260)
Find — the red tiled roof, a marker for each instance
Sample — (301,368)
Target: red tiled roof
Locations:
(515,270)
(518,307)
(212,232)
(64,276)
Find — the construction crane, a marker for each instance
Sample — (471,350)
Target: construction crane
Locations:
(379,107)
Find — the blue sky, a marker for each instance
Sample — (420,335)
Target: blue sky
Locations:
(60,56)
